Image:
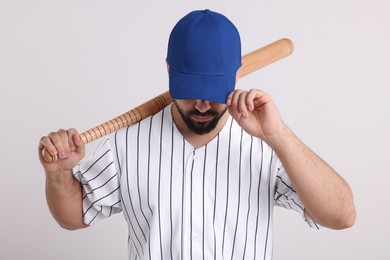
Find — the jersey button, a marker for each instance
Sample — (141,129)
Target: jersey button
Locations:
(195,237)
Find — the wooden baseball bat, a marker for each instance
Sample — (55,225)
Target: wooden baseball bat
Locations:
(250,63)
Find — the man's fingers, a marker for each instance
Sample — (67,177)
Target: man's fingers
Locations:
(46,142)
(242,102)
(64,144)
(242,105)
(59,143)
(73,141)
(253,94)
(233,98)
(76,143)
(232,103)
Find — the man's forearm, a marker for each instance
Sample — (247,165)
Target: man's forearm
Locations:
(64,198)
(326,195)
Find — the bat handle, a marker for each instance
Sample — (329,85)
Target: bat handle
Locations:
(131,117)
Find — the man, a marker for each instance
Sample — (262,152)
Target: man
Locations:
(200,178)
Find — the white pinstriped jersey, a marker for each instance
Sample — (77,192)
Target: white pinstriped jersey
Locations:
(213,202)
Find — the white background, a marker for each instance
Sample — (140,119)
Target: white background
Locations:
(79,63)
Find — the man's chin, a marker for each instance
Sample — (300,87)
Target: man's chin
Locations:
(201,128)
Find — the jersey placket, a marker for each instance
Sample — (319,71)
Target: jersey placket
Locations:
(193,207)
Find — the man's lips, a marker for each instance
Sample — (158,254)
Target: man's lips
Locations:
(201,119)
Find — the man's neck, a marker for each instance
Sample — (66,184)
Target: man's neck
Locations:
(194,139)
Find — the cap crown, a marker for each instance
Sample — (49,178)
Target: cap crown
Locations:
(205,43)
(204,54)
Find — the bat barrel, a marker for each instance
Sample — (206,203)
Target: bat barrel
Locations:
(265,55)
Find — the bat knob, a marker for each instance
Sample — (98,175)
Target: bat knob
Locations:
(48,157)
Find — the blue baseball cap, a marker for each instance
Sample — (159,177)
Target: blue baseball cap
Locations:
(204,54)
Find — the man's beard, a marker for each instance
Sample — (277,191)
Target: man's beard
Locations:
(200,128)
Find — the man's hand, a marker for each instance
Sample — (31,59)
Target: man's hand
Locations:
(67,145)
(256,113)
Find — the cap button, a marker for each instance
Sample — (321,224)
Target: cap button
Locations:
(206,11)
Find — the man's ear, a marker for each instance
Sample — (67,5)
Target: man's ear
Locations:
(166,62)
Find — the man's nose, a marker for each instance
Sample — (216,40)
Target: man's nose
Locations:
(202,105)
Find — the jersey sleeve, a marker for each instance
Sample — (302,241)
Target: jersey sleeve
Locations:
(100,183)
(287,197)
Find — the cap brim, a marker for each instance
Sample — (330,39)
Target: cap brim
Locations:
(204,87)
